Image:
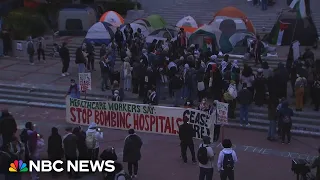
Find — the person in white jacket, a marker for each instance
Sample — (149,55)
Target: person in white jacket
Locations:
(93,137)
(226,161)
(127,69)
(40,147)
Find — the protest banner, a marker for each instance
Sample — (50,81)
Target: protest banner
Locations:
(222,113)
(141,117)
(85,81)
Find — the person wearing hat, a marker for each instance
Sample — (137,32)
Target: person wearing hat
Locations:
(132,152)
(93,137)
(69,142)
(205,158)
(260,86)
(74,90)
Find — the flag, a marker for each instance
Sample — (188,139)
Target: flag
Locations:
(300,7)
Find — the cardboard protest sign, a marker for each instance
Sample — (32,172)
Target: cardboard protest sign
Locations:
(222,113)
(141,117)
(85,81)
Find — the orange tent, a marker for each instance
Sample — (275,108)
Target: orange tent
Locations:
(233,12)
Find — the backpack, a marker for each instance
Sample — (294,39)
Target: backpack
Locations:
(126,176)
(24,137)
(91,140)
(228,162)
(287,119)
(203,155)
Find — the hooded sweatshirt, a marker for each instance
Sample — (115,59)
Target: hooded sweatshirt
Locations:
(221,157)
(99,135)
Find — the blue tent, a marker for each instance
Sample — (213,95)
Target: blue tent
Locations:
(100,33)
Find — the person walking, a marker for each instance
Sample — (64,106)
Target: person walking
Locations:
(244,98)
(186,134)
(65,57)
(205,158)
(226,161)
(132,152)
(286,114)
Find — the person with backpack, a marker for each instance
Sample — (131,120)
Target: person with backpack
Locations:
(186,134)
(226,161)
(30,50)
(93,137)
(120,174)
(205,158)
(132,152)
(28,137)
(285,114)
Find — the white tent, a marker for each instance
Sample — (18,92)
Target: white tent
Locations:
(162,35)
(134,26)
(187,21)
(100,33)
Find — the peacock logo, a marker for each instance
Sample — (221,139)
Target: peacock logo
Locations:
(18,166)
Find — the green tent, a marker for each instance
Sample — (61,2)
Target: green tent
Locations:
(205,32)
(156,21)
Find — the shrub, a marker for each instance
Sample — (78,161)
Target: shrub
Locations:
(120,6)
(24,23)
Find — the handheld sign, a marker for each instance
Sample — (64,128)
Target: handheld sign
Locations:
(222,110)
(85,81)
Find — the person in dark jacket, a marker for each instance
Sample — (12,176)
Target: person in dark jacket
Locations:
(70,149)
(186,134)
(281,77)
(176,84)
(244,98)
(65,57)
(8,126)
(285,114)
(105,72)
(131,152)
(103,50)
(81,143)
(258,50)
(272,116)
(90,51)
(81,59)
(55,150)
(260,86)
(119,39)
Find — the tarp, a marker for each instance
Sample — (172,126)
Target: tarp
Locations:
(143,22)
(100,33)
(232,12)
(289,28)
(113,18)
(156,21)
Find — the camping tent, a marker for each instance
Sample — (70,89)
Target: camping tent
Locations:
(100,33)
(289,28)
(188,23)
(143,22)
(134,26)
(240,42)
(162,34)
(234,14)
(156,21)
(113,18)
(207,34)
(227,23)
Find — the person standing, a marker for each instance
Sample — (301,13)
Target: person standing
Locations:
(244,98)
(105,72)
(286,114)
(205,158)
(176,84)
(65,57)
(55,150)
(316,94)
(81,143)
(226,161)
(127,69)
(40,50)
(258,50)
(316,164)
(119,40)
(264,5)
(93,136)
(300,85)
(186,134)
(39,148)
(70,149)
(8,126)
(30,50)
(81,59)
(90,51)
(28,137)
(132,152)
